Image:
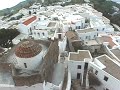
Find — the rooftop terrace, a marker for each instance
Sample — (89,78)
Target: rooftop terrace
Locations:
(80,55)
(106,39)
(116,52)
(85,30)
(51,24)
(111,67)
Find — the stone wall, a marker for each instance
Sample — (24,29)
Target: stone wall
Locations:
(50,60)
(5,67)
(27,80)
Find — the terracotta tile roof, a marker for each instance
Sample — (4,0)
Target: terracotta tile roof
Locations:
(106,39)
(109,39)
(111,67)
(30,20)
(28,49)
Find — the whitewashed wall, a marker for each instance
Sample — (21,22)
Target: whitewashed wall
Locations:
(73,68)
(31,63)
(111,84)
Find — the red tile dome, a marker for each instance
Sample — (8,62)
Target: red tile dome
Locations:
(28,49)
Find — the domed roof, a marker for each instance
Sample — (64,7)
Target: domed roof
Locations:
(28,49)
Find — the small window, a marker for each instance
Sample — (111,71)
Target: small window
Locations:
(43,34)
(94,35)
(76,27)
(78,75)
(97,34)
(96,72)
(25,65)
(106,89)
(79,66)
(103,29)
(34,27)
(39,34)
(105,78)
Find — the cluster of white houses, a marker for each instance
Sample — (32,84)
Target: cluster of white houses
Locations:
(42,59)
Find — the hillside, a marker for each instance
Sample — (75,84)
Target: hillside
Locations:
(15,9)
(109,9)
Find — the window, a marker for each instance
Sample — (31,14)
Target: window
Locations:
(59,36)
(105,78)
(39,34)
(78,75)
(43,34)
(96,72)
(25,65)
(34,27)
(94,35)
(79,66)
(103,29)
(76,27)
(86,37)
(106,89)
(97,34)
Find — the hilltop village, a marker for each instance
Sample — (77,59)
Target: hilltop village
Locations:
(61,48)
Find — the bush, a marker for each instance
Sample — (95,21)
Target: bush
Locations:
(6,36)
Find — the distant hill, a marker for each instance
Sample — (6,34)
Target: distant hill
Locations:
(24,4)
(104,6)
(109,9)
(15,9)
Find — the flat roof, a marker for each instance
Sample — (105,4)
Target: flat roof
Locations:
(111,68)
(91,42)
(116,52)
(85,30)
(106,39)
(80,55)
(51,24)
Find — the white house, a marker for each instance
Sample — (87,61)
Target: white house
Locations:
(87,34)
(107,71)
(25,27)
(28,55)
(78,63)
(73,22)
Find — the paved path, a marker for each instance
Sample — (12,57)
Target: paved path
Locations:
(58,74)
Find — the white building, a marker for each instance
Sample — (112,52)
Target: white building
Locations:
(73,22)
(29,55)
(78,63)
(87,34)
(106,70)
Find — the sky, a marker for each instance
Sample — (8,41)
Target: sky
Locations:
(9,3)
